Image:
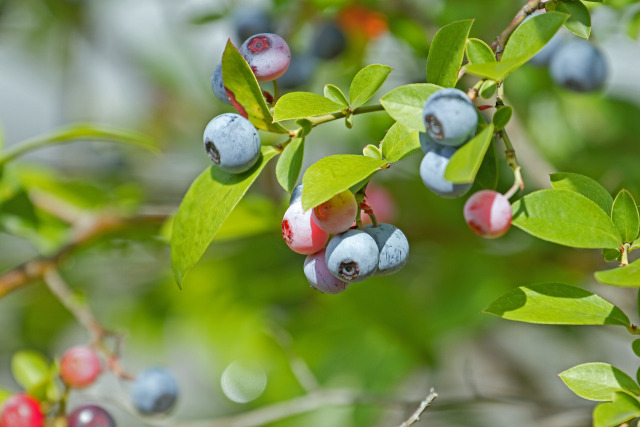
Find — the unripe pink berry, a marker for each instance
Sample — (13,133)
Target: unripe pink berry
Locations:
(21,410)
(319,276)
(301,232)
(336,214)
(79,367)
(488,213)
(381,203)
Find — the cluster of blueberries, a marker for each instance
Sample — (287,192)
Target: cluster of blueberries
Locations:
(451,119)
(351,255)
(153,392)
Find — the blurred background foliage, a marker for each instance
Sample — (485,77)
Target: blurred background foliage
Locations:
(146,65)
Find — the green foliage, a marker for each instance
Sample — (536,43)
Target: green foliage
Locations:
(399,142)
(597,381)
(588,187)
(556,304)
(334,93)
(366,83)
(447,53)
(405,103)
(290,163)
(624,214)
(626,276)
(209,201)
(465,163)
(502,116)
(567,218)
(622,408)
(478,52)
(579,21)
(372,151)
(34,374)
(295,105)
(4,395)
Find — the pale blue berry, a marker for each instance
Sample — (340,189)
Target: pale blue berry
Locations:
(232,143)
(392,244)
(432,171)
(154,391)
(450,117)
(352,256)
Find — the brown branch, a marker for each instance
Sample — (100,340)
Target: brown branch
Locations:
(424,405)
(526,10)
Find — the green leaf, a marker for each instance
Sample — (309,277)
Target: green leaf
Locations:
(566,218)
(465,162)
(399,142)
(478,52)
(627,276)
(556,304)
(29,368)
(597,381)
(366,83)
(333,174)
(79,132)
(447,53)
(295,105)
(372,151)
(488,88)
(335,94)
(208,202)
(524,43)
(487,176)
(502,116)
(289,164)
(635,346)
(584,185)
(624,214)
(4,395)
(254,215)
(244,91)
(624,407)
(611,255)
(579,21)
(405,103)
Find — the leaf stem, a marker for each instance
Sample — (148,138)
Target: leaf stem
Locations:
(317,120)
(624,261)
(502,39)
(276,91)
(510,153)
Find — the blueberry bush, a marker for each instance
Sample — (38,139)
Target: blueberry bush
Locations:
(315,145)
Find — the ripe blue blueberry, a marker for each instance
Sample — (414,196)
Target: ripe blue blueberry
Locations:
(154,391)
(296,194)
(90,416)
(319,276)
(267,54)
(299,73)
(218,87)
(232,143)
(393,246)
(579,66)
(450,117)
(352,256)
(426,143)
(250,21)
(329,41)
(432,170)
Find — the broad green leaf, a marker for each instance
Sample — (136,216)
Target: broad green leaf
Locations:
(556,304)
(372,151)
(289,164)
(447,53)
(624,214)
(579,21)
(399,142)
(79,132)
(244,91)
(366,83)
(29,368)
(478,52)
(626,276)
(333,174)
(335,94)
(254,215)
(597,381)
(295,105)
(464,164)
(584,185)
(488,88)
(524,43)
(624,407)
(566,218)
(405,103)
(502,117)
(208,202)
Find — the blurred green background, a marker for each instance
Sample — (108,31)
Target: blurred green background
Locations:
(246,330)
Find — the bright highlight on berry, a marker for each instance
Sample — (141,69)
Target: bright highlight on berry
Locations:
(21,410)
(90,416)
(488,213)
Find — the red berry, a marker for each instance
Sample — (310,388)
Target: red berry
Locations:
(21,410)
(488,213)
(79,367)
(301,232)
(336,214)
(90,416)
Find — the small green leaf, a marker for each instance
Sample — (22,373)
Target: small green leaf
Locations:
(584,185)
(335,94)
(405,103)
(627,276)
(487,89)
(556,304)
(244,91)
(636,347)
(295,105)
(579,21)
(366,83)
(624,214)
(4,395)
(597,381)
(29,368)
(399,142)
(333,174)
(624,407)
(566,218)
(478,52)
(502,116)
(466,161)
(372,151)
(306,126)
(208,202)
(611,255)
(635,244)
(447,53)
(289,164)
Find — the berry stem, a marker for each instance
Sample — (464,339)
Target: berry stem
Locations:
(276,91)
(502,39)
(510,153)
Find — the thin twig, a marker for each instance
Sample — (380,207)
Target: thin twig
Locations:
(502,39)
(424,405)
